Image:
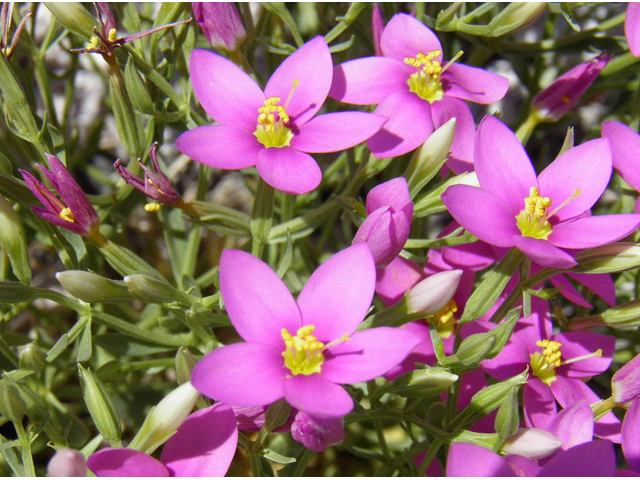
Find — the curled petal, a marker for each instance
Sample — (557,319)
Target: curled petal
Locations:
(573,425)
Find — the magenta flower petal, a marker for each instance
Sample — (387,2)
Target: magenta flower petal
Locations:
(522,466)
(204,444)
(404,36)
(600,284)
(220,146)
(578,344)
(368,354)
(461,155)
(467,460)
(482,213)
(632,28)
(625,145)
(571,390)
(396,278)
(368,81)
(338,294)
(378,231)
(124,462)
(226,93)
(591,459)
(590,232)
(502,165)
(56,220)
(258,302)
(538,403)
(625,383)
(409,125)
(630,436)
(243,374)
(289,170)
(573,425)
(511,361)
(586,167)
(336,131)
(394,194)
(543,253)
(317,396)
(312,66)
(569,291)
(474,84)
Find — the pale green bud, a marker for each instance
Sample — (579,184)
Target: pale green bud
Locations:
(516,15)
(100,407)
(12,406)
(151,290)
(31,357)
(184,365)
(611,258)
(532,443)
(91,287)
(12,238)
(427,160)
(424,382)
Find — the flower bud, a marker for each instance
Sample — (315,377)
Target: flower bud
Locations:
(151,290)
(317,434)
(252,419)
(31,357)
(165,418)
(625,383)
(611,258)
(13,239)
(67,463)
(425,382)
(220,23)
(433,293)
(73,16)
(184,365)
(91,287)
(516,15)
(559,97)
(100,407)
(12,406)
(532,443)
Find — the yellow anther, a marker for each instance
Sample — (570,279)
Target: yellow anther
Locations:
(303,352)
(544,364)
(426,81)
(112,36)
(67,214)
(92,44)
(272,129)
(152,207)
(444,319)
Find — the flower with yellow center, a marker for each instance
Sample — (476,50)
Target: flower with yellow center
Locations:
(544,364)
(444,319)
(426,81)
(533,220)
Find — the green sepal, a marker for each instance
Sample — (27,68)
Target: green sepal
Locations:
(100,407)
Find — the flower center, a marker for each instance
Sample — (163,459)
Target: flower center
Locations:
(67,214)
(303,352)
(444,319)
(272,129)
(426,81)
(533,220)
(544,364)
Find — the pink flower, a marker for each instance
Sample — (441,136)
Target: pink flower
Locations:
(388,223)
(72,210)
(558,98)
(415,90)
(632,28)
(203,446)
(274,130)
(317,434)
(625,143)
(541,216)
(300,350)
(220,23)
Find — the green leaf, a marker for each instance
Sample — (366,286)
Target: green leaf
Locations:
(140,97)
(121,345)
(508,417)
(277,458)
(85,346)
(13,240)
(279,9)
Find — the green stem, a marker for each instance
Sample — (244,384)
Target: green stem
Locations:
(603,407)
(27,458)
(303,462)
(526,129)
(261,217)
(431,454)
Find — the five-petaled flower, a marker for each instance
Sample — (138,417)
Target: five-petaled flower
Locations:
(300,350)
(274,130)
(72,210)
(544,215)
(413,87)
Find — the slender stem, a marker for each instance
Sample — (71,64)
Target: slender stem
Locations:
(431,453)
(27,458)
(262,217)
(303,462)
(526,129)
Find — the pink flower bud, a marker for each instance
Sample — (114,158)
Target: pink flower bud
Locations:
(625,384)
(67,463)
(317,434)
(434,292)
(532,443)
(220,23)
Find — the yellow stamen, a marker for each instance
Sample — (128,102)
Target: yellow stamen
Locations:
(152,207)
(426,81)
(67,214)
(92,44)
(444,319)
(533,220)
(543,365)
(272,130)
(303,352)
(113,35)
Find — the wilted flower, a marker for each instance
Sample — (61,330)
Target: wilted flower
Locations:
(414,90)
(317,434)
(274,130)
(203,446)
(220,23)
(300,350)
(541,216)
(72,210)
(388,223)
(7,48)
(559,97)
(155,185)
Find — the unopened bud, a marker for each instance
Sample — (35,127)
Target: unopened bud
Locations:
(611,258)
(31,357)
(220,23)
(516,15)
(12,238)
(184,365)
(433,293)
(625,383)
(165,418)
(151,290)
(100,407)
(91,287)
(317,434)
(67,463)
(532,443)
(426,382)
(73,16)
(12,406)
